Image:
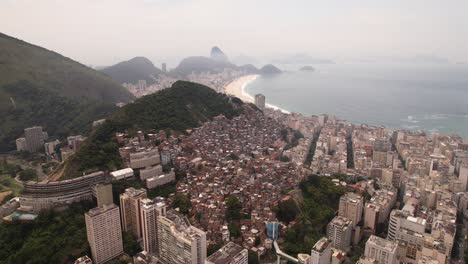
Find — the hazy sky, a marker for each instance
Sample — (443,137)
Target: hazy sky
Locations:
(102,32)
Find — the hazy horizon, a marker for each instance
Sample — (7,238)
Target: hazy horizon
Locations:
(101,33)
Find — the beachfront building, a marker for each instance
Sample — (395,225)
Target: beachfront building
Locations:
(260,101)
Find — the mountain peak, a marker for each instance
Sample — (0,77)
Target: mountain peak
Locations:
(218,54)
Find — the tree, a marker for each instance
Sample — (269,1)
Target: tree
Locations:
(182,201)
(287,211)
(234,231)
(28,175)
(131,246)
(233,208)
(253,258)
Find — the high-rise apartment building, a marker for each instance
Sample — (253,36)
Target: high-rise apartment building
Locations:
(103,193)
(405,227)
(35,138)
(104,233)
(340,231)
(321,252)
(130,205)
(351,205)
(230,253)
(260,101)
(463,176)
(149,212)
(180,242)
(382,250)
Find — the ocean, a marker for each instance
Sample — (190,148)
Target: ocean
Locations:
(423,97)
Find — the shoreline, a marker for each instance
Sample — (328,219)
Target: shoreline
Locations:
(237,88)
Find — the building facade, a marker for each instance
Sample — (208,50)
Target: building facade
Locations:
(104,233)
(130,205)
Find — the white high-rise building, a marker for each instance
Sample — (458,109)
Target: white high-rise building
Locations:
(382,250)
(179,241)
(340,231)
(405,227)
(104,233)
(321,252)
(260,101)
(351,205)
(150,211)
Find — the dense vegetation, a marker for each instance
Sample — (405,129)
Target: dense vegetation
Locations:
(51,238)
(41,87)
(20,60)
(131,71)
(183,106)
(61,237)
(33,105)
(320,201)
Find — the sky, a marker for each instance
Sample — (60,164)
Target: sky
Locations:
(104,32)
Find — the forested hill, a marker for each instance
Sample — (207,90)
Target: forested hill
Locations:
(131,71)
(183,106)
(41,87)
(21,61)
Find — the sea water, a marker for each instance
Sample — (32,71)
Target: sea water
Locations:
(427,97)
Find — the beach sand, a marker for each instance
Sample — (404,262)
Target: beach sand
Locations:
(237,88)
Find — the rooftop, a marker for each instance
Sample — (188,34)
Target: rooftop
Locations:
(225,254)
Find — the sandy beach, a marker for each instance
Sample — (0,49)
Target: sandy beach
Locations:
(237,88)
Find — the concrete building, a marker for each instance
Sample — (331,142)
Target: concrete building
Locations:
(21,144)
(130,203)
(156,181)
(321,252)
(143,159)
(339,231)
(351,206)
(405,227)
(371,216)
(33,141)
(382,250)
(463,176)
(104,233)
(149,211)
(103,194)
(122,174)
(179,241)
(49,148)
(150,172)
(45,195)
(230,253)
(260,101)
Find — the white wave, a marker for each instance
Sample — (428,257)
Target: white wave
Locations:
(244,93)
(436,117)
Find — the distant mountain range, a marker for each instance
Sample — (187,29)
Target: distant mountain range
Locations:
(141,68)
(41,87)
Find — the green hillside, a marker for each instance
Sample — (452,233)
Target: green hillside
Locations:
(41,87)
(185,105)
(131,71)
